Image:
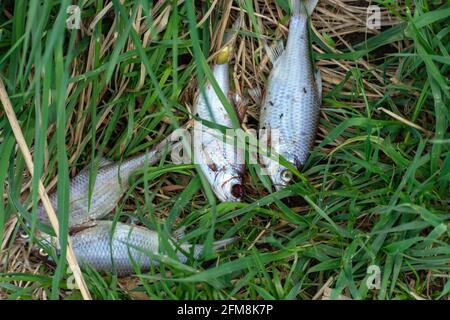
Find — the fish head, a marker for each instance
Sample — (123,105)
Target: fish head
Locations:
(24,236)
(47,243)
(24,230)
(282,177)
(279,174)
(227,184)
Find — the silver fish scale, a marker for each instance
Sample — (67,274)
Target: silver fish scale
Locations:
(217,114)
(221,162)
(213,147)
(110,185)
(129,245)
(292,102)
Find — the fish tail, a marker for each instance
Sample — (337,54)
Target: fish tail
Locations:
(218,246)
(303,7)
(229,34)
(222,244)
(179,233)
(224,55)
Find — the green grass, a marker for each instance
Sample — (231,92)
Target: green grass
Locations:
(374,191)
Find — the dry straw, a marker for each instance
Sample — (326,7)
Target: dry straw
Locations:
(71,259)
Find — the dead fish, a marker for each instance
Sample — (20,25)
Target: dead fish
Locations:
(119,248)
(221,161)
(293,97)
(110,184)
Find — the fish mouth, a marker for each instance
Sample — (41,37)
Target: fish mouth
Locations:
(232,189)
(237,190)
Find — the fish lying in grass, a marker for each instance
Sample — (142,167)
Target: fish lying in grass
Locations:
(110,184)
(292,102)
(121,248)
(220,161)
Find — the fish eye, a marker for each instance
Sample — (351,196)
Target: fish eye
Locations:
(23,235)
(42,253)
(286,175)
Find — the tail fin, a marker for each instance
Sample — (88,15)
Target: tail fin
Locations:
(222,244)
(179,233)
(198,249)
(224,55)
(230,33)
(303,7)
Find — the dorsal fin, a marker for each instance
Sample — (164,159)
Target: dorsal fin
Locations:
(240,105)
(275,51)
(103,162)
(256,94)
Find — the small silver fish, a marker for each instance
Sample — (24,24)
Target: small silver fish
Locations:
(110,184)
(221,161)
(119,248)
(292,102)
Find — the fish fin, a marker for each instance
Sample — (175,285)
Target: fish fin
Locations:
(319,84)
(179,233)
(206,159)
(222,244)
(224,54)
(302,7)
(231,33)
(275,51)
(218,246)
(235,98)
(80,227)
(133,220)
(103,162)
(256,94)
(240,105)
